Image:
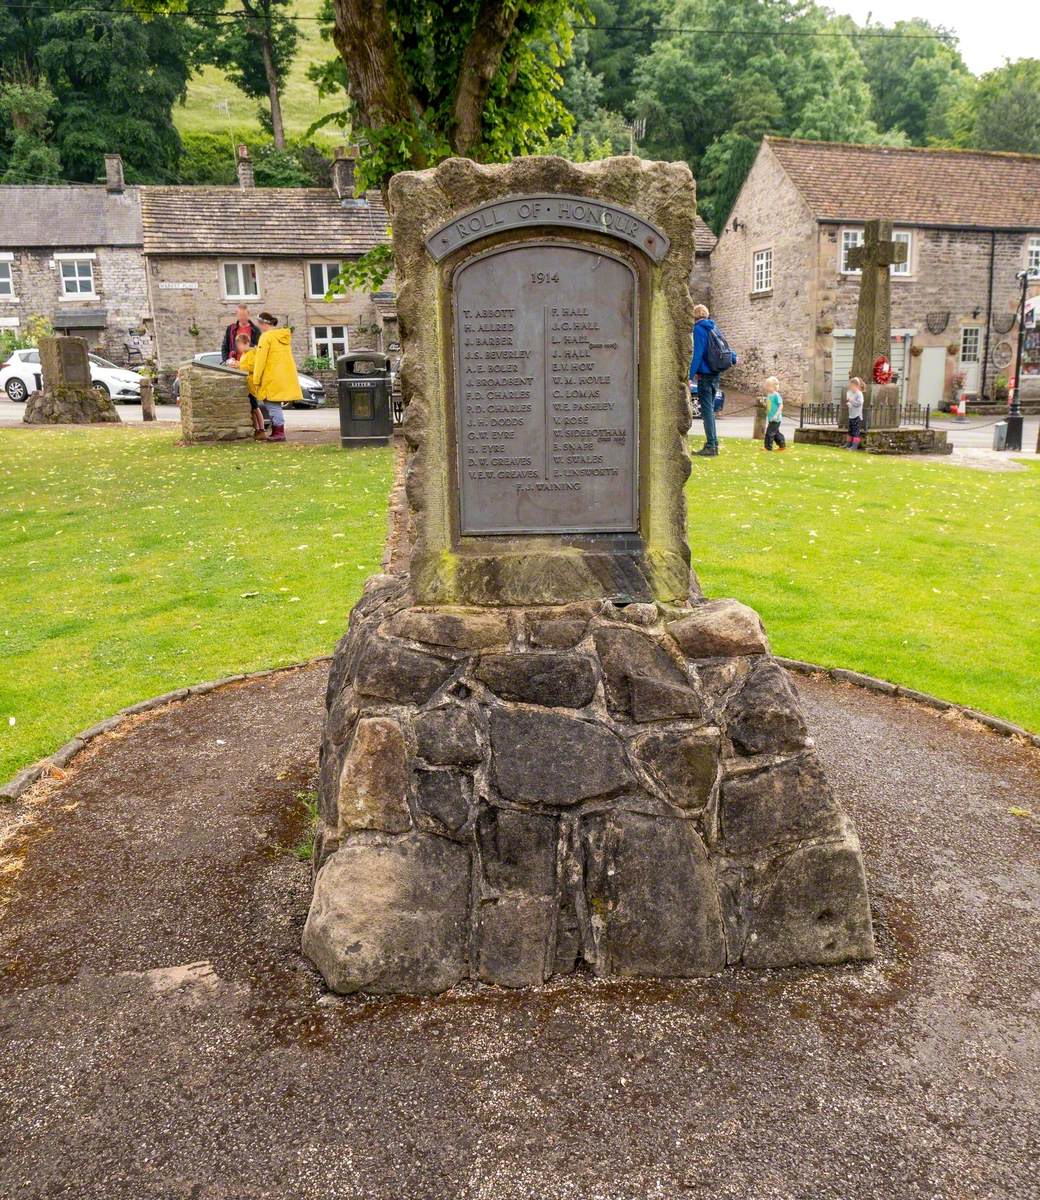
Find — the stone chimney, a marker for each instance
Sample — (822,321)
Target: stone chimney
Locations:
(114,181)
(244,165)
(343,171)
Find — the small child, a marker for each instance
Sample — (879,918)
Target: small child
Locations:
(774,415)
(245,356)
(854,399)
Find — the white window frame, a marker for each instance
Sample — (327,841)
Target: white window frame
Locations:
(325,264)
(849,239)
(238,264)
(7,261)
(61,261)
(328,340)
(977,330)
(903,270)
(1033,256)
(762,281)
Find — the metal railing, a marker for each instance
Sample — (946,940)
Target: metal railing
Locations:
(889,416)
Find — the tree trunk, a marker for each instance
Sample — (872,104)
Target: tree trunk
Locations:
(480,62)
(378,85)
(277,126)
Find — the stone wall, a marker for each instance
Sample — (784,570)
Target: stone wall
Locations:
(512,794)
(120,287)
(771,333)
(283,286)
(881,441)
(214,405)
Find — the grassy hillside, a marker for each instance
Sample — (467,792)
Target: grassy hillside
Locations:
(210,91)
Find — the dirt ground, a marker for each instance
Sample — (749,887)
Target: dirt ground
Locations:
(162,1037)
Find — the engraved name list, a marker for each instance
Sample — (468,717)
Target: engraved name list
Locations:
(545,340)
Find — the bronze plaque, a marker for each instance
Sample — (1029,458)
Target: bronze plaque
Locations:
(545,390)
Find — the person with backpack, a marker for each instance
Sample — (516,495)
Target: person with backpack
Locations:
(711,356)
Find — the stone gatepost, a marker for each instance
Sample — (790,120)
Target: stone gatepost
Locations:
(68,395)
(214,404)
(544,750)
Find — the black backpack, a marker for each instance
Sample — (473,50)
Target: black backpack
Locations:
(717,354)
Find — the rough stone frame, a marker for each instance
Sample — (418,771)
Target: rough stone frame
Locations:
(446,569)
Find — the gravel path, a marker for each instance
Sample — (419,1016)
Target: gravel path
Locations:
(162,1037)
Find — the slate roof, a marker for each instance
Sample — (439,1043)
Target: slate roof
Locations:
(842,182)
(703,238)
(78,214)
(188,221)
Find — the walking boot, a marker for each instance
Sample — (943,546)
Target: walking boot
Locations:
(277,433)
(708,452)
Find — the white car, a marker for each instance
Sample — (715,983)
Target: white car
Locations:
(20,375)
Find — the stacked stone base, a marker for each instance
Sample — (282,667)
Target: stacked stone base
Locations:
(515,793)
(881,441)
(67,405)
(214,404)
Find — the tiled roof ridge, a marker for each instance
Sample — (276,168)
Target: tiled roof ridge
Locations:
(876,147)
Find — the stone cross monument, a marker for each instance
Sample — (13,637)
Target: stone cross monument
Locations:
(874,316)
(543,748)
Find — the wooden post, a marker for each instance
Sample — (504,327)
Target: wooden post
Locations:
(147,401)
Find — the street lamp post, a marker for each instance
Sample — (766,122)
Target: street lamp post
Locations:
(1014,420)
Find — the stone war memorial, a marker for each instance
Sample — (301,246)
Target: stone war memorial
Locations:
(544,749)
(890,426)
(67,395)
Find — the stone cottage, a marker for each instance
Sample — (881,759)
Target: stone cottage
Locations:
(208,249)
(72,254)
(786,296)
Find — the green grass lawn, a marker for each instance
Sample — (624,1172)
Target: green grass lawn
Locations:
(132,566)
(919,572)
(210,91)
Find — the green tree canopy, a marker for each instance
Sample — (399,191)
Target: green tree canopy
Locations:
(115,79)
(718,78)
(254,43)
(429,78)
(1006,108)
(914,78)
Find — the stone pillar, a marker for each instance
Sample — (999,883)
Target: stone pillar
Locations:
(147,401)
(543,747)
(214,404)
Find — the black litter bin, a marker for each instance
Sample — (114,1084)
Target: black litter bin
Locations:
(364,399)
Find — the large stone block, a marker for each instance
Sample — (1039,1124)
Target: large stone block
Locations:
(447,736)
(814,910)
(683,762)
(764,716)
(373,783)
(720,628)
(642,679)
(554,680)
(391,918)
(782,804)
(391,670)
(658,908)
(551,758)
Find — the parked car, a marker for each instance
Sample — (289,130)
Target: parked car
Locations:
(313,392)
(20,375)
